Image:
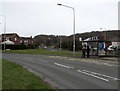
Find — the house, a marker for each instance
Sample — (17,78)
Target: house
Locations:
(12,37)
(26,40)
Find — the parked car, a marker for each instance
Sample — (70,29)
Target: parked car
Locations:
(111,47)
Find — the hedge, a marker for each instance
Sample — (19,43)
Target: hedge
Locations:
(17,47)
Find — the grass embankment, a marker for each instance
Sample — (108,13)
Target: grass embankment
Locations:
(42,51)
(16,77)
(0,73)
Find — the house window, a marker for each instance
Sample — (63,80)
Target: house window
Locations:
(15,39)
(7,38)
(26,41)
(21,41)
(0,38)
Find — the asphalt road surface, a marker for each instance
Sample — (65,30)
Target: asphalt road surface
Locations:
(70,73)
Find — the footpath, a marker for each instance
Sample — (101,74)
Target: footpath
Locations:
(110,58)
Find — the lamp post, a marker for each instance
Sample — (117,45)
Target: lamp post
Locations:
(73,25)
(105,39)
(4,28)
(60,43)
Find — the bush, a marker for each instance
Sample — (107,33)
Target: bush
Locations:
(69,45)
(17,47)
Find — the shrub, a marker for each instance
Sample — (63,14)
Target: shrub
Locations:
(17,47)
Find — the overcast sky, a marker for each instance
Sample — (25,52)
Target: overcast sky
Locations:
(33,17)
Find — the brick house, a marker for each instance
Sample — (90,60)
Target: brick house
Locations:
(14,37)
(10,36)
(26,40)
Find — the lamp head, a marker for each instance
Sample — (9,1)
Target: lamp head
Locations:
(59,4)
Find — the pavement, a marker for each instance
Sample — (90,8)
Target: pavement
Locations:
(70,73)
(110,58)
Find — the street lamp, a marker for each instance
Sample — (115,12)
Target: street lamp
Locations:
(4,28)
(73,25)
(60,43)
(105,39)
(105,33)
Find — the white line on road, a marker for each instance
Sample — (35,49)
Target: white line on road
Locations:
(68,67)
(28,58)
(43,61)
(92,75)
(37,60)
(114,78)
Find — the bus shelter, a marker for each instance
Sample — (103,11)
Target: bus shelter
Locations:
(97,47)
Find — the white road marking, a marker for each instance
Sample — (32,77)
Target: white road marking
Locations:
(68,67)
(37,60)
(114,78)
(28,58)
(92,75)
(43,61)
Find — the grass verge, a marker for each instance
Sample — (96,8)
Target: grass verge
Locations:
(16,77)
(42,51)
(0,73)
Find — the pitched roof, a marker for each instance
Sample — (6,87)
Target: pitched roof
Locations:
(10,34)
(26,37)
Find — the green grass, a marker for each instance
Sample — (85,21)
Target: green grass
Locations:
(42,51)
(16,77)
(0,74)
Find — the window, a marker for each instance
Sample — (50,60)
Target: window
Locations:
(15,39)
(21,41)
(7,38)
(0,38)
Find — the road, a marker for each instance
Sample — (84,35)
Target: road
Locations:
(70,73)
